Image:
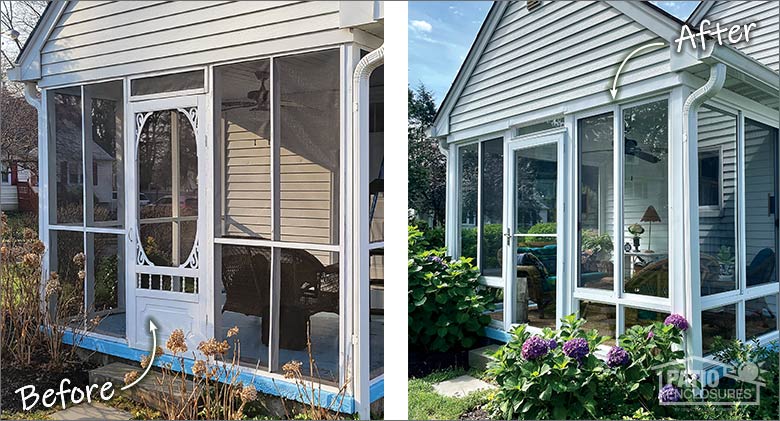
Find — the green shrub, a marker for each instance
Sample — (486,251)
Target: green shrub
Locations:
(767,358)
(549,384)
(447,305)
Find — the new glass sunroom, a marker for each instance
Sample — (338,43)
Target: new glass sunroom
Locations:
(625,211)
(247,193)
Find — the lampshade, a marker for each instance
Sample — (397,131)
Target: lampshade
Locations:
(650,215)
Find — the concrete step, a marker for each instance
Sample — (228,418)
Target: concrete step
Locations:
(480,357)
(149,391)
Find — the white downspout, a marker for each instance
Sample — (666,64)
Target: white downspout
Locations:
(359,248)
(692,302)
(32,96)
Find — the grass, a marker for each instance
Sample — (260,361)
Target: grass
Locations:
(426,404)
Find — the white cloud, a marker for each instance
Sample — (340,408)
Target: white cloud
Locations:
(421,25)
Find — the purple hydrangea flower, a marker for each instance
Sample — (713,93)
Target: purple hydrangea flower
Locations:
(677,321)
(553,344)
(436,259)
(669,393)
(617,356)
(650,335)
(576,348)
(535,347)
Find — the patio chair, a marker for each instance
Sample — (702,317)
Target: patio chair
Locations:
(761,268)
(307,288)
(653,279)
(535,266)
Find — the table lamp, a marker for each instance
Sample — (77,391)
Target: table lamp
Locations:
(651,215)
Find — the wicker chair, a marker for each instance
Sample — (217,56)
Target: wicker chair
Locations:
(307,288)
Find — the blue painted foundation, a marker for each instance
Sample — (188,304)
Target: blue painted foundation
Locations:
(276,387)
(497,334)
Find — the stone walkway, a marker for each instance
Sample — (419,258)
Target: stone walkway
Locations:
(93,411)
(461,386)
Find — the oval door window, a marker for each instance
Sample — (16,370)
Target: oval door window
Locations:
(167,188)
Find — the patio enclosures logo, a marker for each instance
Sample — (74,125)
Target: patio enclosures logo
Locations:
(704,381)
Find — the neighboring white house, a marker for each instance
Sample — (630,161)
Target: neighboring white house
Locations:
(563,173)
(220,164)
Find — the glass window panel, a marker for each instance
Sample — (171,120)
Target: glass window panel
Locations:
(600,317)
(491,231)
(167,83)
(243,91)
(596,144)
(538,127)
(309,146)
(468,160)
(717,228)
(535,189)
(761,189)
(646,199)
(376,158)
(376,269)
(167,169)
(68,196)
(760,316)
(68,261)
(310,301)
(105,283)
(718,324)
(104,154)
(245,298)
(642,317)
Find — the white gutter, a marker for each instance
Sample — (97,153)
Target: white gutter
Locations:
(359,248)
(692,306)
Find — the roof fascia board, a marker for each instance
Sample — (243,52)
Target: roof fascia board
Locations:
(700,12)
(441,123)
(29,62)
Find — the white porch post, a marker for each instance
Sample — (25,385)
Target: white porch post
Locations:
(677,216)
(360,230)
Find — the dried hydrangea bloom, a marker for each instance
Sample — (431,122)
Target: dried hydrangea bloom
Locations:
(79,259)
(158,351)
(677,321)
(199,368)
(38,247)
(176,343)
(292,369)
(233,331)
(31,260)
(145,360)
(53,285)
(212,347)
(248,394)
(82,274)
(131,376)
(535,347)
(29,234)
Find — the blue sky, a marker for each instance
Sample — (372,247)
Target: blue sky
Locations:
(441,33)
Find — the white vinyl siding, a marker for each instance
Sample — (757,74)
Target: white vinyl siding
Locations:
(248,191)
(764,37)
(554,54)
(120,38)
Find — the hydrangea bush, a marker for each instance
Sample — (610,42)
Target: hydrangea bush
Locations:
(447,305)
(538,379)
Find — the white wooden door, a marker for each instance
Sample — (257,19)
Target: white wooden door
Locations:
(166,192)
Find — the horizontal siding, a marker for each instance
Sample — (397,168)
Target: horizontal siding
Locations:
(306,211)
(764,38)
(113,39)
(559,52)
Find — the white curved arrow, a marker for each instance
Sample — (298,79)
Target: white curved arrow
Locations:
(613,91)
(153,330)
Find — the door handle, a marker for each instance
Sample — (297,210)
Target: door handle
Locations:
(508,236)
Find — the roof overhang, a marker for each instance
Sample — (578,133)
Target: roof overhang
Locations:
(28,64)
